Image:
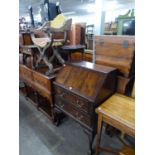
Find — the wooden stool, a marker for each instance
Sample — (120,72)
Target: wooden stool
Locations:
(119,112)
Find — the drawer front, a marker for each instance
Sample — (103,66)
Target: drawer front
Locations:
(42,81)
(73,99)
(73,111)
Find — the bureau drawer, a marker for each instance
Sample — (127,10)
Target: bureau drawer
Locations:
(73,111)
(73,99)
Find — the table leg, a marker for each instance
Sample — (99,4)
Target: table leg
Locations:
(99,131)
(69,56)
(82,54)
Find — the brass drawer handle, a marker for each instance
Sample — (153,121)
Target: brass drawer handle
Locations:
(61,104)
(78,103)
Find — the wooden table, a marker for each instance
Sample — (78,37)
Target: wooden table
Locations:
(119,112)
(74,48)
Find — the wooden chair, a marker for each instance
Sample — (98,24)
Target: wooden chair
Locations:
(59,24)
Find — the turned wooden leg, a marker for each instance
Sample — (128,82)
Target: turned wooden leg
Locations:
(99,131)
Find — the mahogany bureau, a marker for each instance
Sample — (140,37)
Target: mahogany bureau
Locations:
(81,87)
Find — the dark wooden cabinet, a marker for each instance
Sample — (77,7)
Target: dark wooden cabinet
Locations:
(41,89)
(80,87)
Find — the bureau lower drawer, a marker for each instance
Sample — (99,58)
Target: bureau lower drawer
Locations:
(73,111)
(74,99)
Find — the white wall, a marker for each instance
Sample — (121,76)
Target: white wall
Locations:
(88,18)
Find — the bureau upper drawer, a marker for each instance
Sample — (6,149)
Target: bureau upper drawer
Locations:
(75,100)
(74,112)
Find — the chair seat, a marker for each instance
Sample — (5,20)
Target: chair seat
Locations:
(42,42)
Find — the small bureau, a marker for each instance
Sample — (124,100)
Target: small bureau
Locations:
(79,88)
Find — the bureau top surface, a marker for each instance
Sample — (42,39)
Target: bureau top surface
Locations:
(81,80)
(95,67)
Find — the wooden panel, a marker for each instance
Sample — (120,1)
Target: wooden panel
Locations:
(63,75)
(116,51)
(124,84)
(43,85)
(88,57)
(74,112)
(81,80)
(27,39)
(78,57)
(73,99)
(39,82)
(127,151)
(26,74)
(75,34)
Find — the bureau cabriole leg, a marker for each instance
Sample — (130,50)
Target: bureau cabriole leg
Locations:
(99,131)
(91,136)
(91,140)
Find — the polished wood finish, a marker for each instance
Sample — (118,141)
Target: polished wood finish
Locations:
(26,38)
(126,151)
(75,34)
(40,83)
(116,51)
(124,85)
(72,49)
(80,88)
(77,57)
(27,49)
(119,112)
(133,91)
